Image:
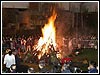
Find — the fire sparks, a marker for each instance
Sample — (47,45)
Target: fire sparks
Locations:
(49,36)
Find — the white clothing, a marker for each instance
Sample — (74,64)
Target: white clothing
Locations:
(9,60)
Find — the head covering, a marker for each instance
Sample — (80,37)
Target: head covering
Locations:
(7,51)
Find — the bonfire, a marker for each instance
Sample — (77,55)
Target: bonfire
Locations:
(47,43)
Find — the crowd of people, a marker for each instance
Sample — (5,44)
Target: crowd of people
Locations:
(13,49)
(11,66)
(81,41)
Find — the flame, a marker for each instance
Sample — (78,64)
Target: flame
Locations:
(49,36)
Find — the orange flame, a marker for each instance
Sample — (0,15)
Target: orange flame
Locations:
(49,36)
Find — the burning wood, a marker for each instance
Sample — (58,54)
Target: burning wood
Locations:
(48,41)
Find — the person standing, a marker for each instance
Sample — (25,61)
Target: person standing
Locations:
(31,70)
(9,59)
(92,67)
(66,69)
